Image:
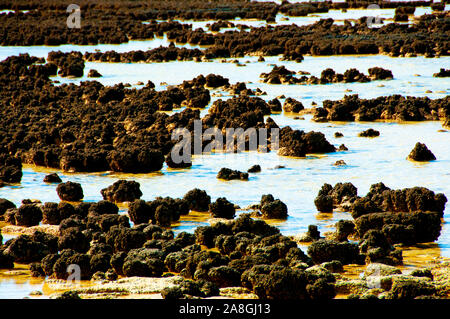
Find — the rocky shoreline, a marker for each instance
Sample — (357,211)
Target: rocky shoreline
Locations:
(125,244)
(321,38)
(137,137)
(241,252)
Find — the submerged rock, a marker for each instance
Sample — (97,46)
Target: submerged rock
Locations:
(52,178)
(229,174)
(254,169)
(369,133)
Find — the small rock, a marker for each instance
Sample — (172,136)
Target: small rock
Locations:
(52,178)
(36,293)
(421,153)
(340,163)
(94,74)
(254,169)
(369,133)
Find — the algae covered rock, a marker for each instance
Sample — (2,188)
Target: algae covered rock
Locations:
(421,153)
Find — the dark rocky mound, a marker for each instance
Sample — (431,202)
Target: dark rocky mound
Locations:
(94,74)
(28,215)
(281,75)
(324,203)
(278,75)
(237,112)
(377,248)
(229,174)
(395,107)
(5,205)
(10,169)
(214,81)
(222,208)
(340,193)
(369,133)
(274,105)
(134,139)
(161,211)
(160,54)
(378,73)
(197,200)
(27,249)
(216,26)
(70,191)
(177,163)
(273,208)
(298,143)
(69,64)
(292,105)
(401,17)
(254,169)
(327,250)
(443,73)
(421,153)
(382,199)
(405,228)
(54,213)
(408,216)
(52,178)
(122,191)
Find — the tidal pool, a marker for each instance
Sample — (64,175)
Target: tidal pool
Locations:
(369,160)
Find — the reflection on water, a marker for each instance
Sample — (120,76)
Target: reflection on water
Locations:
(17,283)
(368,160)
(412,76)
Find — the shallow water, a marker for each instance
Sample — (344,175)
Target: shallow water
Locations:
(338,15)
(369,160)
(412,76)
